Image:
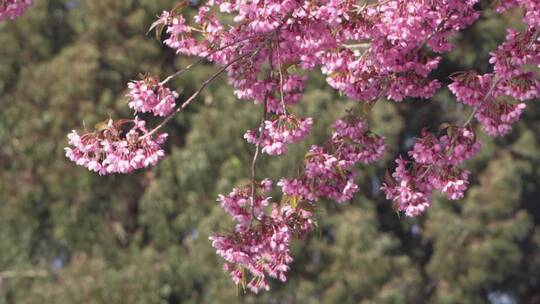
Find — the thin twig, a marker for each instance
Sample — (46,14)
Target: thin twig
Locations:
(357,45)
(254,161)
(197,93)
(496,81)
(428,169)
(280,81)
(259,141)
(488,95)
(187,68)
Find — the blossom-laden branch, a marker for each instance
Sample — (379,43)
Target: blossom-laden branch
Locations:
(261,248)
(205,83)
(492,94)
(111,150)
(368,51)
(434,165)
(498,101)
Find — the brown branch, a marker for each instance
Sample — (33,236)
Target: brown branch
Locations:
(187,68)
(259,140)
(496,81)
(197,93)
(280,81)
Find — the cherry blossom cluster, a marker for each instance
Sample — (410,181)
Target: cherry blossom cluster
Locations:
(148,95)
(395,64)
(112,149)
(259,246)
(366,51)
(11,9)
(494,95)
(498,97)
(329,172)
(280,132)
(434,166)
(498,102)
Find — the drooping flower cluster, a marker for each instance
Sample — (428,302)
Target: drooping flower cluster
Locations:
(498,97)
(149,96)
(433,167)
(324,176)
(355,143)
(111,149)
(494,95)
(280,132)
(11,9)
(259,246)
(329,172)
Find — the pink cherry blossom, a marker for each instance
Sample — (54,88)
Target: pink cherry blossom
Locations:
(11,9)
(111,150)
(497,119)
(280,132)
(433,167)
(498,97)
(260,248)
(328,172)
(470,88)
(355,143)
(149,95)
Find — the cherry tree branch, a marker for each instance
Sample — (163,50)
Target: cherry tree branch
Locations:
(187,68)
(494,84)
(198,92)
(259,140)
(280,80)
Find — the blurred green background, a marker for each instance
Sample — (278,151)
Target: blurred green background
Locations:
(70,236)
